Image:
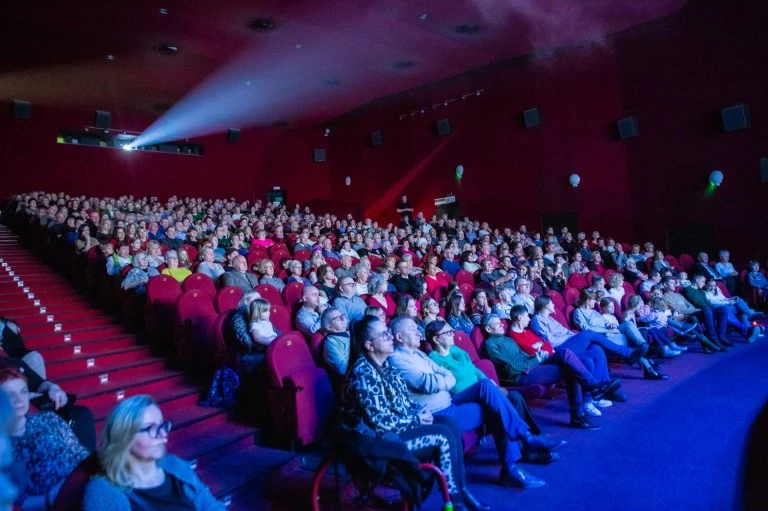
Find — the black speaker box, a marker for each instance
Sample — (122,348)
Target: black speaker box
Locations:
(21,109)
(318,155)
(233,135)
(531,118)
(764,170)
(443,128)
(377,139)
(735,117)
(628,127)
(101,119)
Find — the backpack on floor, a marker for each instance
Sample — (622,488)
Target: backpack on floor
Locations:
(223,390)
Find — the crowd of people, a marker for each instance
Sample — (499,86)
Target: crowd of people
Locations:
(390,301)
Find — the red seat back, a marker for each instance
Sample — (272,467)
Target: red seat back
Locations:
(162,288)
(569,315)
(686,262)
(672,260)
(590,276)
(571,296)
(292,293)
(193,303)
(316,343)
(557,299)
(255,258)
(477,338)
(201,282)
(561,318)
(466,291)
(577,281)
(302,255)
(628,289)
(724,289)
(227,298)
(463,341)
(300,395)
(464,277)
(280,317)
(70,495)
(270,294)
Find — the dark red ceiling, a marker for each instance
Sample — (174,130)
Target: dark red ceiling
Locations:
(323,58)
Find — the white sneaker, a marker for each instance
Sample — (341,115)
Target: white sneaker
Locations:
(603,403)
(591,410)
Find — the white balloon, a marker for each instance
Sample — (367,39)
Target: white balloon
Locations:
(574,179)
(348,180)
(716,177)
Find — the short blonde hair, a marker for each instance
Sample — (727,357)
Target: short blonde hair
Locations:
(120,428)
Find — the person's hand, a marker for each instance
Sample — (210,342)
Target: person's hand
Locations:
(612,327)
(57,395)
(425,416)
(542,355)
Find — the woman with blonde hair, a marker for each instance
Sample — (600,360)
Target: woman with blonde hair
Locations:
(138,473)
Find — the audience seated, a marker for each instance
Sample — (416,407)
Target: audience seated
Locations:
(351,305)
(173,269)
(208,265)
(138,276)
(429,384)
(239,275)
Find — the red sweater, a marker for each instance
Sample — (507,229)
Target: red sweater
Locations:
(527,339)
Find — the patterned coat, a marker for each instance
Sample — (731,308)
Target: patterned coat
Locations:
(378,398)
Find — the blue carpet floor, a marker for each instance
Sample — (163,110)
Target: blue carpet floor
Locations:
(675,445)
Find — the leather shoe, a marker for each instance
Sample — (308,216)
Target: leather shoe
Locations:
(650,373)
(517,476)
(538,444)
(581,422)
(470,502)
(725,342)
(605,389)
(618,396)
(637,353)
(544,458)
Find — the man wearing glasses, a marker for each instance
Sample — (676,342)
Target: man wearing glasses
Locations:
(347,301)
(336,345)
(523,294)
(430,384)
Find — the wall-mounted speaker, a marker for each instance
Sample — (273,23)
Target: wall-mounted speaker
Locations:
(531,118)
(102,119)
(764,170)
(443,128)
(377,138)
(628,127)
(318,155)
(233,135)
(21,109)
(735,117)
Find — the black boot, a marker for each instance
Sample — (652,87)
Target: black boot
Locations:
(471,503)
(649,373)
(708,346)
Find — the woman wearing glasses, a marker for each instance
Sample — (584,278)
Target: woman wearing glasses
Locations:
(138,474)
(375,399)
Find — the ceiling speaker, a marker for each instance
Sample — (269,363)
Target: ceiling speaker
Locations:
(443,128)
(628,127)
(531,118)
(318,155)
(233,135)
(21,109)
(735,117)
(101,119)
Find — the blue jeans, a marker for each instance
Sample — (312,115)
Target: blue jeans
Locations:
(579,342)
(565,365)
(483,403)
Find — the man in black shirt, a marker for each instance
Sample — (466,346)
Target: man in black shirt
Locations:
(405,211)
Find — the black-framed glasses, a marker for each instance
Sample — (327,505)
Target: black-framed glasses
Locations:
(386,334)
(340,316)
(444,332)
(153,430)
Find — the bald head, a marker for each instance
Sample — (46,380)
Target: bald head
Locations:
(240,263)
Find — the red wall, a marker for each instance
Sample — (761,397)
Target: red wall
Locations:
(32,160)
(676,75)
(511,174)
